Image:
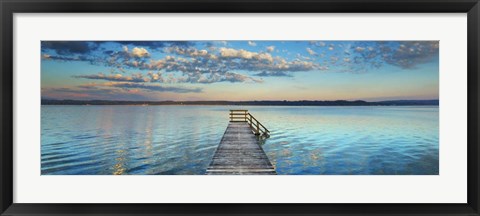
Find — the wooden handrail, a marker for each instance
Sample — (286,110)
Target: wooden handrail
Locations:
(238,115)
(244,116)
(259,122)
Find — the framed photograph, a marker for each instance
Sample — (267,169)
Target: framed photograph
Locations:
(265,108)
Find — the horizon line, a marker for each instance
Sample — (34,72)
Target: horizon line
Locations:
(352,100)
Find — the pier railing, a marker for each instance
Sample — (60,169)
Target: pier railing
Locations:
(244,116)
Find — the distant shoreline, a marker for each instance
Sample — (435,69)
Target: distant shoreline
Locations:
(248,103)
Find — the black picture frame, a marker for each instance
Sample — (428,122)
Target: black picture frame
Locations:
(9,7)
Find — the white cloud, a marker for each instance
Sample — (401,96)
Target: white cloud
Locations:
(270,48)
(359,49)
(192,52)
(233,53)
(140,52)
(137,52)
(311,52)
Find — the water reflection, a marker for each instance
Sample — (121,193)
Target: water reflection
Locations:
(167,140)
(119,167)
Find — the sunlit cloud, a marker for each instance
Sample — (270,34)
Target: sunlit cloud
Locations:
(270,48)
(115,77)
(177,66)
(157,88)
(311,52)
(138,52)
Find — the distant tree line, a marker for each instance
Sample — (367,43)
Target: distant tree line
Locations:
(247,103)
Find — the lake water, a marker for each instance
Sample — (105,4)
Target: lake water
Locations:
(173,140)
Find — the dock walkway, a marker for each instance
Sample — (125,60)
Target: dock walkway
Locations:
(239,152)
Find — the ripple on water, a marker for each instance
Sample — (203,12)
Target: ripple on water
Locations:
(168,140)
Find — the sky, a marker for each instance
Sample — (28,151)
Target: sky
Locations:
(240,70)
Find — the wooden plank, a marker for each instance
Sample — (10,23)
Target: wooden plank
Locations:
(240,154)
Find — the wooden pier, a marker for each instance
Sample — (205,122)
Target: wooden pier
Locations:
(239,152)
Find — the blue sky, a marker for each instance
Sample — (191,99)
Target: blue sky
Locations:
(240,70)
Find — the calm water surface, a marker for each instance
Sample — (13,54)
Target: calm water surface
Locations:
(166,140)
